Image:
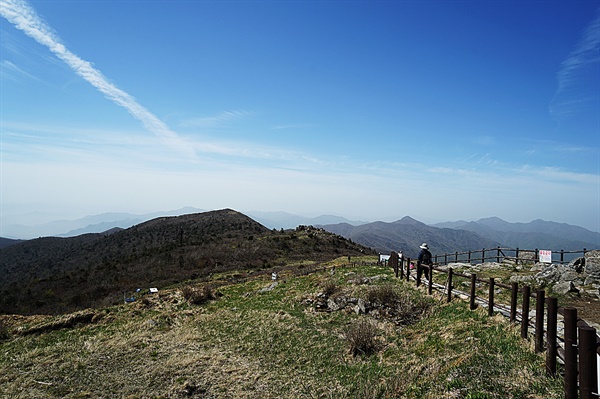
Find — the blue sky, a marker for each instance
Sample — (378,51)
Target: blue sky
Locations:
(371,110)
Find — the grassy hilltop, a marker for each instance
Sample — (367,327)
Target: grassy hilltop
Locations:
(220,339)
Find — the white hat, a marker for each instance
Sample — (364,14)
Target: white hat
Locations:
(424,246)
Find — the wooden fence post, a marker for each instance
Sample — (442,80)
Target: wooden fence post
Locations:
(472,296)
(498,255)
(408,263)
(539,320)
(449,297)
(419,273)
(570,335)
(456,257)
(525,312)
(491,298)
(588,377)
(430,281)
(483,255)
(402,267)
(469,260)
(513,302)
(394,262)
(551,350)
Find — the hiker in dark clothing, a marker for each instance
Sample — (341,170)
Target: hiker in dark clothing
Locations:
(424,259)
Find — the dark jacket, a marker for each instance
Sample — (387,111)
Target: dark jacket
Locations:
(425,257)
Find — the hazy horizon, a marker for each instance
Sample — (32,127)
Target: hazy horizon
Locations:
(11,225)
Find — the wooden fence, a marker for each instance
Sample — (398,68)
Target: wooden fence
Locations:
(578,347)
(499,254)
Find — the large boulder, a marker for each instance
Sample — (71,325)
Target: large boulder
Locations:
(592,267)
(565,287)
(580,272)
(549,274)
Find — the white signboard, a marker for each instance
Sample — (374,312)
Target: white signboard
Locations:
(383,258)
(545,256)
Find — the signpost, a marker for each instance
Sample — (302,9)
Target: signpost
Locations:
(545,256)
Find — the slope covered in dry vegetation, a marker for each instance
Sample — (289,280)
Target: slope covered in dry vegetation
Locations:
(56,275)
(258,339)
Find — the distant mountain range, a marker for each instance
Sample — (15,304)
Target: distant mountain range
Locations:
(284,220)
(108,255)
(105,221)
(405,234)
(89,224)
(536,234)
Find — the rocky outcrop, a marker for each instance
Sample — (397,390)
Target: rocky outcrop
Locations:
(581,275)
(384,301)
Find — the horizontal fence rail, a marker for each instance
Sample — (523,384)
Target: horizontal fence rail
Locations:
(499,254)
(577,345)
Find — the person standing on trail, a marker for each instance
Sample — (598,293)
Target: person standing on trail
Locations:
(424,259)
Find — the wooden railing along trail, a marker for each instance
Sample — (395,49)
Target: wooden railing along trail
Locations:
(577,348)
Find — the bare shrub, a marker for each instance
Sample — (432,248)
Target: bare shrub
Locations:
(362,337)
(410,308)
(385,295)
(199,295)
(329,287)
(404,307)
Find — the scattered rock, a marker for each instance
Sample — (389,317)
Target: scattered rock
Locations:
(537,267)
(152,323)
(573,277)
(549,273)
(565,287)
(362,307)
(270,287)
(331,304)
(592,265)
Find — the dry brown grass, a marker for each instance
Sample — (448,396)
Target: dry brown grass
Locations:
(249,345)
(197,295)
(362,337)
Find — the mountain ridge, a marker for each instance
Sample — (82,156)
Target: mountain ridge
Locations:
(104,221)
(58,274)
(407,234)
(535,234)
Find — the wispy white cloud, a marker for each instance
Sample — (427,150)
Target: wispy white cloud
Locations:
(8,70)
(586,54)
(216,120)
(557,175)
(24,17)
(24,142)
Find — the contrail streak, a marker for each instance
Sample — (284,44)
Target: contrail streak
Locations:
(566,101)
(24,17)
